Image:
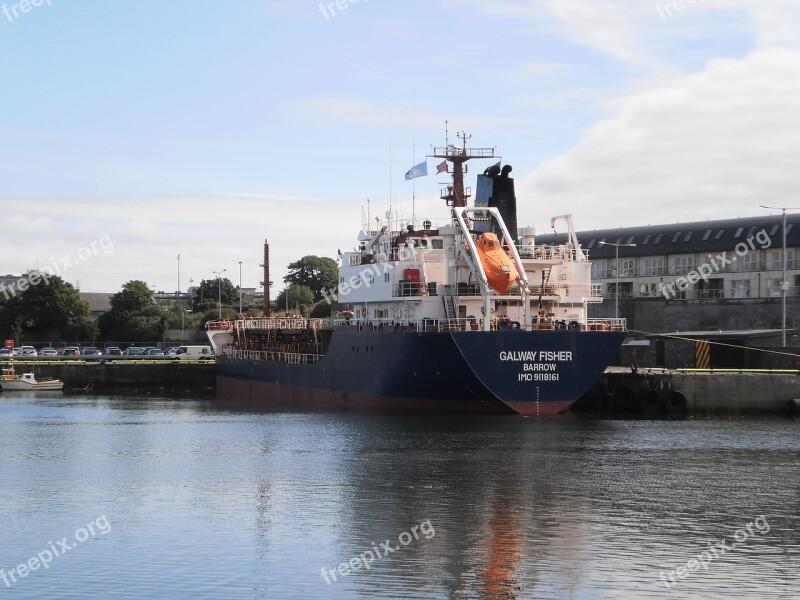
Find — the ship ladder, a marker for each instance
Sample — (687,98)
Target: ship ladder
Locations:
(450,307)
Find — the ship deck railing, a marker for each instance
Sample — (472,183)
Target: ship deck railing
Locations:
(474,324)
(290,358)
(278,323)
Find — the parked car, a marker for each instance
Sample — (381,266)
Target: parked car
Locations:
(172,351)
(71,351)
(48,351)
(133,351)
(28,351)
(90,351)
(153,352)
(5,352)
(16,351)
(113,351)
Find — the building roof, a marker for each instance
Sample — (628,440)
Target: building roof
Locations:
(98,302)
(687,238)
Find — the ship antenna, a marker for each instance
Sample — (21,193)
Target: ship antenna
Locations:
(414,159)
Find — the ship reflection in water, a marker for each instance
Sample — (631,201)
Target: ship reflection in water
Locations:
(212,503)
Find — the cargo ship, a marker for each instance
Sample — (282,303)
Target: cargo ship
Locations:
(465,314)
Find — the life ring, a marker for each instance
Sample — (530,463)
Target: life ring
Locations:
(574,325)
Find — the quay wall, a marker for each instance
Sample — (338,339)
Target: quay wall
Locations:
(685,391)
(119,374)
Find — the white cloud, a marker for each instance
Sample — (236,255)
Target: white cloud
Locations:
(709,145)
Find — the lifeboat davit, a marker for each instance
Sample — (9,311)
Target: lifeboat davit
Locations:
(500,271)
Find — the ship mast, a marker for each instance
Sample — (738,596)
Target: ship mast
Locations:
(456,195)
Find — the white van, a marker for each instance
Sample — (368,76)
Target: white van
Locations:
(194,353)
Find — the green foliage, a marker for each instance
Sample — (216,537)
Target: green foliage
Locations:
(301,298)
(48,306)
(321,310)
(208,292)
(134,297)
(133,316)
(315,272)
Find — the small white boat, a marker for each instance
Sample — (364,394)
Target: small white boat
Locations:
(10,381)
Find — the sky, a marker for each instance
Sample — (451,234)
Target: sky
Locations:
(132,132)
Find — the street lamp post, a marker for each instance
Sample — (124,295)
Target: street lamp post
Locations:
(219,289)
(784,283)
(240,287)
(616,268)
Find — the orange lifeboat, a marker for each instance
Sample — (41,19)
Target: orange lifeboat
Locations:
(500,271)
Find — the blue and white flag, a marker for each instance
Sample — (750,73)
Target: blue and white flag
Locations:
(419,170)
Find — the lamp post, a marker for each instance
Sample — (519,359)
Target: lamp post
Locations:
(219,290)
(178,291)
(784,283)
(240,287)
(616,268)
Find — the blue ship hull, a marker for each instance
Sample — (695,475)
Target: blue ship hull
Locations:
(512,371)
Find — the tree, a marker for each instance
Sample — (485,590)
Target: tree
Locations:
(207,294)
(321,310)
(47,306)
(315,272)
(134,297)
(133,315)
(301,298)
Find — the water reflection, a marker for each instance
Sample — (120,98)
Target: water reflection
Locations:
(211,502)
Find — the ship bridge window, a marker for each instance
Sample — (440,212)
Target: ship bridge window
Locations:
(688,237)
(676,236)
(707,234)
(437,244)
(774,230)
(719,235)
(647,239)
(738,233)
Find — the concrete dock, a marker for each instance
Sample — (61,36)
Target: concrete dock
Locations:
(119,374)
(694,391)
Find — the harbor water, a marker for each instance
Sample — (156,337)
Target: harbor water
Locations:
(151,497)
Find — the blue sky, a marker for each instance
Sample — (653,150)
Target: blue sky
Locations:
(200,128)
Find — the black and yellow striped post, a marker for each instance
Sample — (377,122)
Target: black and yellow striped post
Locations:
(702,354)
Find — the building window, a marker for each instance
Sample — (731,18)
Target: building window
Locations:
(774,230)
(776,260)
(599,270)
(747,263)
(738,233)
(676,237)
(683,264)
(597,289)
(706,235)
(647,239)
(627,267)
(719,235)
(658,238)
(625,289)
(688,237)
(630,240)
(649,290)
(774,287)
(654,266)
(740,288)
(591,244)
(386,278)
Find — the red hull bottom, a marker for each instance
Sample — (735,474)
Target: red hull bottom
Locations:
(266,395)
